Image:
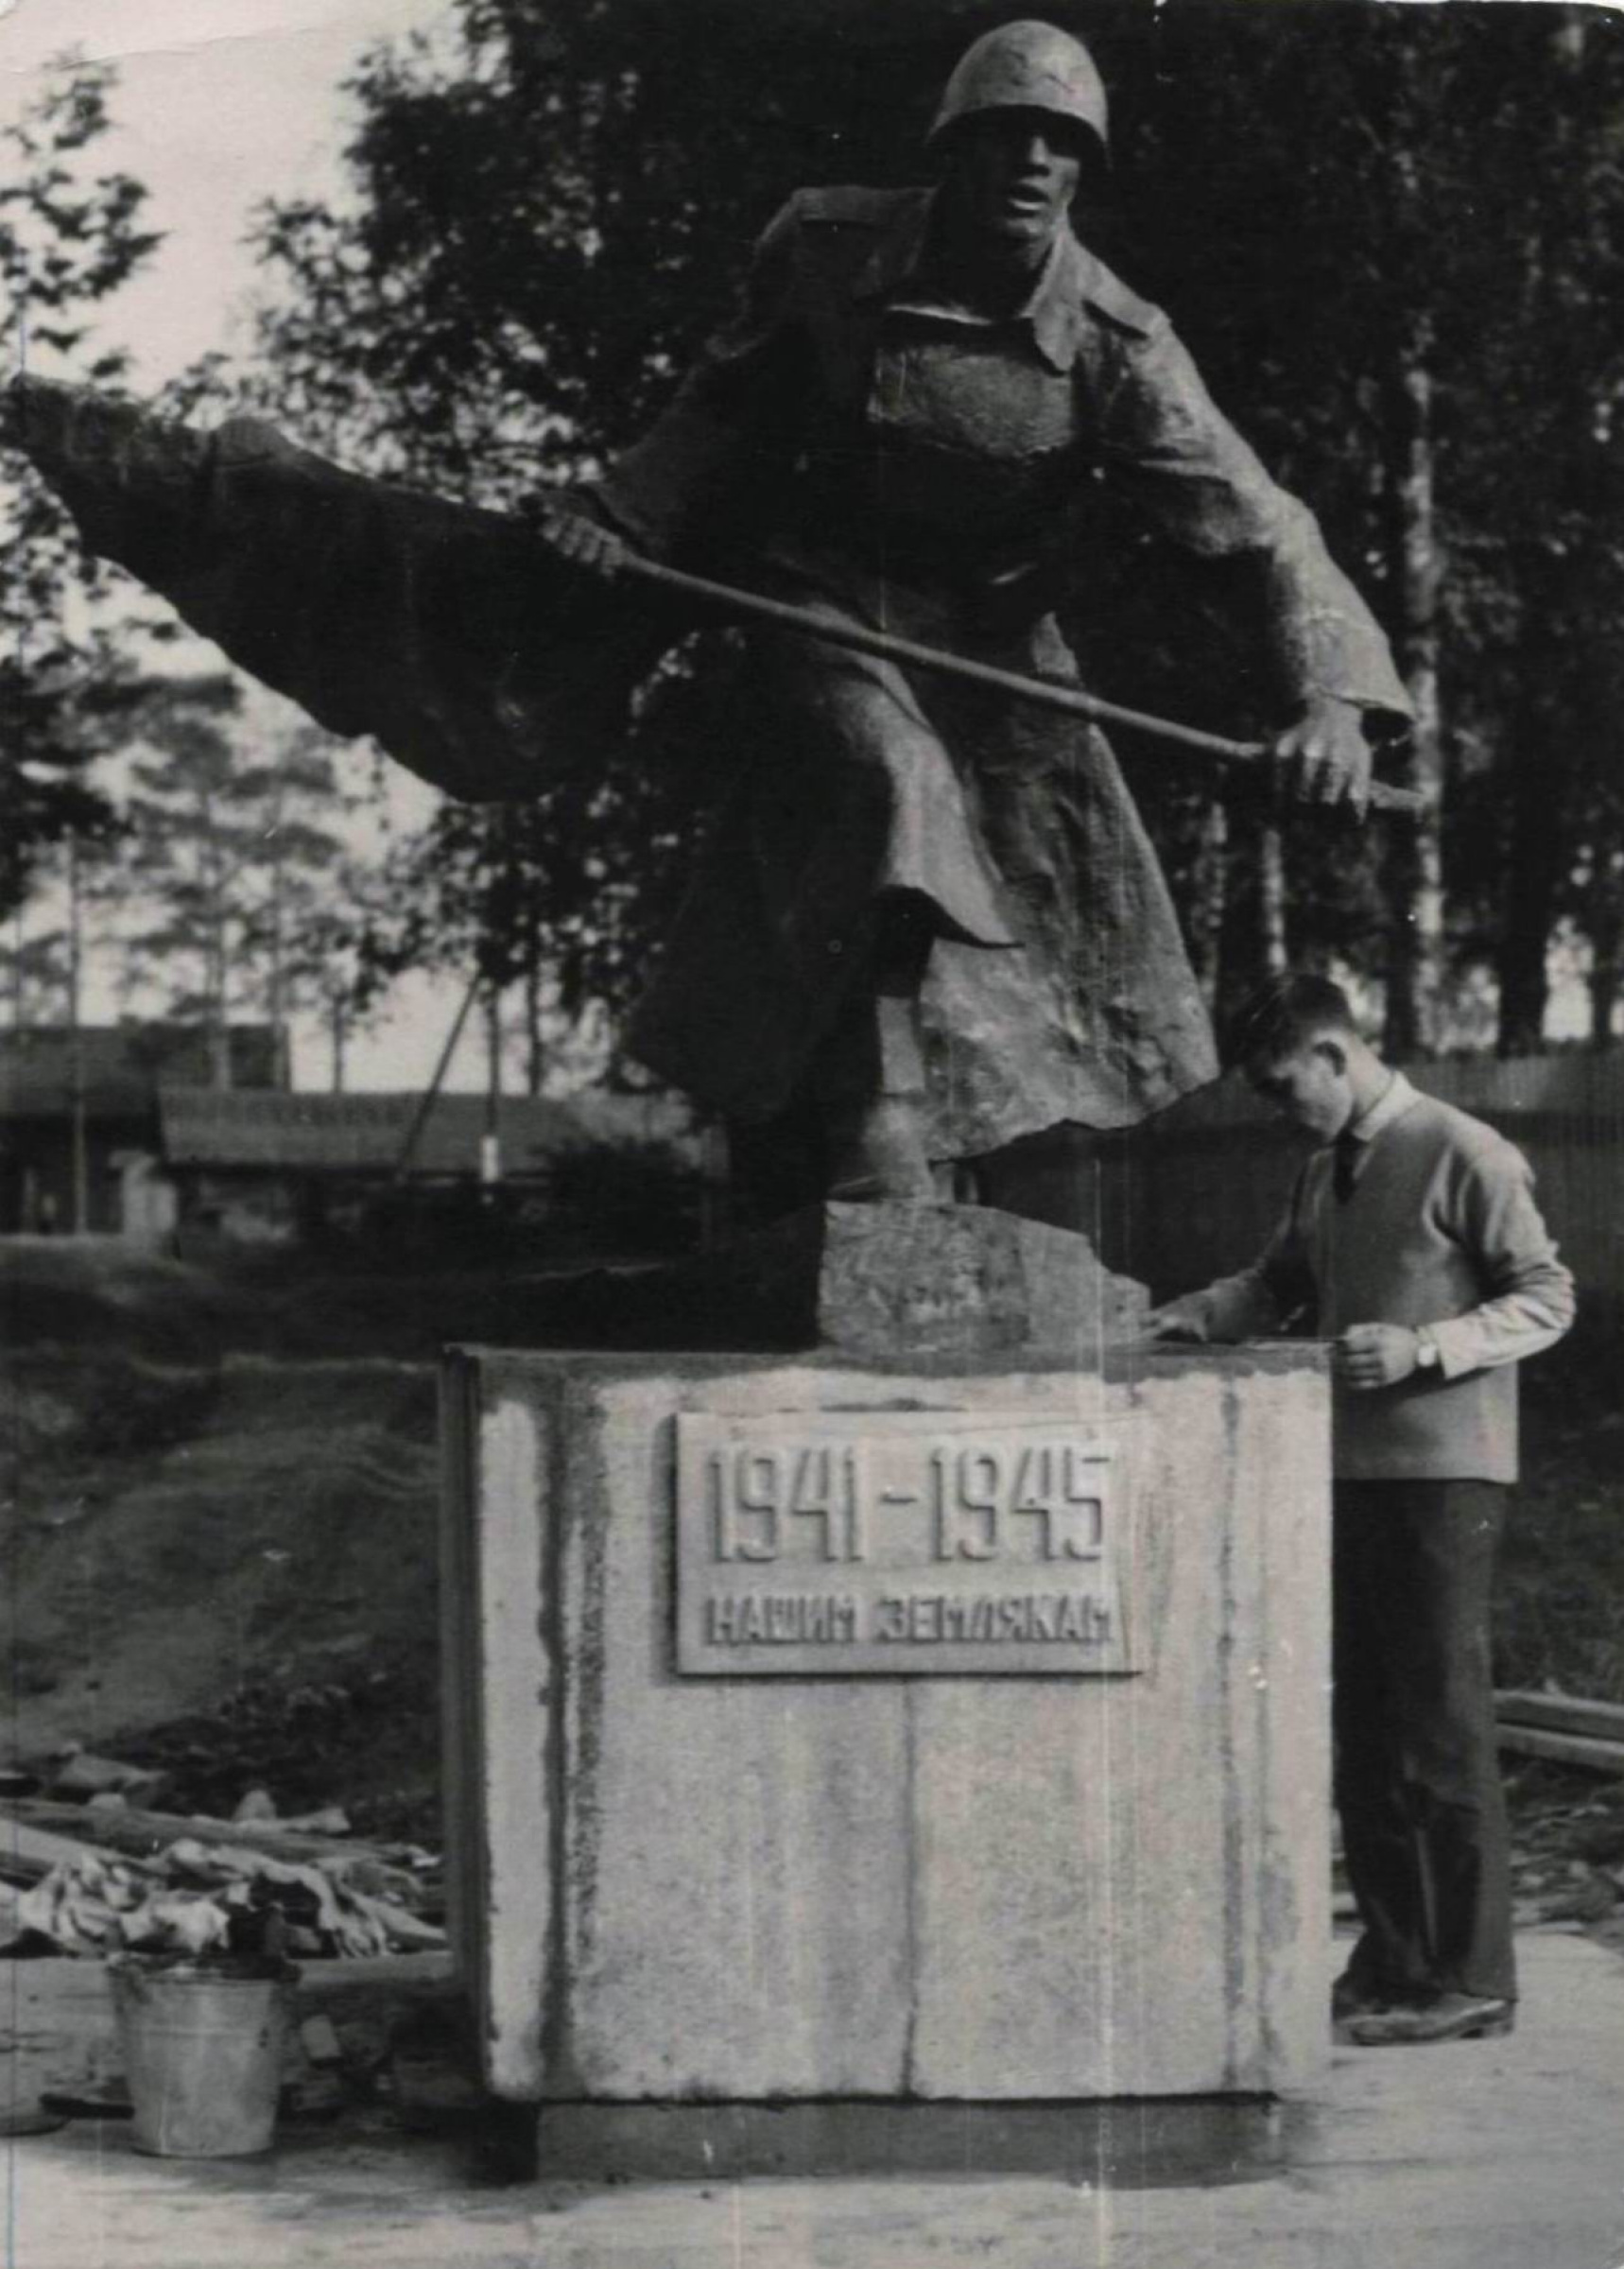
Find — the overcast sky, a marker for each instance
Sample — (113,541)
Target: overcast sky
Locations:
(221,104)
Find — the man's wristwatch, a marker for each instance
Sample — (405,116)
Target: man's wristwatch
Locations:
(1428,1355)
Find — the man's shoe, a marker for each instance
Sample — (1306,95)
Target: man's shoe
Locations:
(1349,2009)
(1451,2016)
(1352,2000)
(1361,1996)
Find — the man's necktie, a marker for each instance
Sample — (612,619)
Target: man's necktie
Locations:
(1345,1172)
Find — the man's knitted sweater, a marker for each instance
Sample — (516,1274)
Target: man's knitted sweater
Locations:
(1441,1229)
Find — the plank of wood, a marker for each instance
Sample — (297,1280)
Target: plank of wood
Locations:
(28,1853)
(1563,1713)
(1562,1748)
(127,1828)
(322,1976)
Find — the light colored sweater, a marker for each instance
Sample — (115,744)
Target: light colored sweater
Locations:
(1441,1230)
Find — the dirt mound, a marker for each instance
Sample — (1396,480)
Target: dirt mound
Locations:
(220,1552)
(90,1299)
(102,1297)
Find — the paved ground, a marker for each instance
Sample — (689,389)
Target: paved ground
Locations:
(1500,2155)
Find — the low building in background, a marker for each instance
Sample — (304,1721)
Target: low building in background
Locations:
(93,1094)
(170,1159)
(628,1171)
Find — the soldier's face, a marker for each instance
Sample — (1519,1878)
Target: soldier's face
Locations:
(1013,175)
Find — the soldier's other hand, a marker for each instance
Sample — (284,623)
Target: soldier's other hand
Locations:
(1376,1355)
(1177,1319)
(583,542)
(1324,757)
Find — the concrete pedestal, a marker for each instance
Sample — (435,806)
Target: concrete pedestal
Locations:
(1006,1888)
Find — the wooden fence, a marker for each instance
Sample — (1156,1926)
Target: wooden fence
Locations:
(1195,1193)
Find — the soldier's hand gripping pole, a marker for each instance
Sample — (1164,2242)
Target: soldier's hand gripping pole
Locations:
(1045,692)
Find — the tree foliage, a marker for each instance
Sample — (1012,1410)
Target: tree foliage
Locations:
(230,847)
(69,237)
(1335,201)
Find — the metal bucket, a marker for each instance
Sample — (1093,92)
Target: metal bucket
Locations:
(202,2053)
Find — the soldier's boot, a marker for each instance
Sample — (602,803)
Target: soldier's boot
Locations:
(871,1078)
(878,1156)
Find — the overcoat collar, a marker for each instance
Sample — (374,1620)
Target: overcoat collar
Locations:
(1052,312)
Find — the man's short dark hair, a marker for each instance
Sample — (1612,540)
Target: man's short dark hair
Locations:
(1288,1013)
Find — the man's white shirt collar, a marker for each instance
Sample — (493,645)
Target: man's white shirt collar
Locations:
(1393,1103)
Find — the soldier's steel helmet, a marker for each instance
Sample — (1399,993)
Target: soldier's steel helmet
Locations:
(1026,66)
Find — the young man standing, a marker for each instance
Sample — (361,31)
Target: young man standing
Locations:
(1413,1243)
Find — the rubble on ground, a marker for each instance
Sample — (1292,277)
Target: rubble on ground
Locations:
(1567,1845)
(78,1776)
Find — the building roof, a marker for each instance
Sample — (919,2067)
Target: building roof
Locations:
(365,1134)
(123,1066)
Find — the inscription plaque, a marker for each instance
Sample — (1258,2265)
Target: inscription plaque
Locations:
(902,1543)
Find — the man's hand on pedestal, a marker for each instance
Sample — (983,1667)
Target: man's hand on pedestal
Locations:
(1324,757)
(1178,1320)
(1377,1355)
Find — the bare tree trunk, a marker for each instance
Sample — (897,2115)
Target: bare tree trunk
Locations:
(339,1028)
(1252,947)
(1605,972)
(1539,800)
(1522,960)
(219,1027)
(75,1041)
(1540,786)
(1415,847)
(276,988)
(1206,916)
(491,1155)
(215,952)
(535,1051)
(1604,922)
(1272,902)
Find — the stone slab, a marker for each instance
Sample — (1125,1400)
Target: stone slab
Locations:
(688,1889)
(1117,2142)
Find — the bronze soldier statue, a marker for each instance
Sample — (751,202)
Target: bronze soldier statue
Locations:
(932,910)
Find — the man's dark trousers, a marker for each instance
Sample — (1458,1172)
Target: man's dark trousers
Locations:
(1418,1780)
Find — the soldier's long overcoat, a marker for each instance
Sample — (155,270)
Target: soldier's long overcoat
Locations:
(866,446)
(869,446)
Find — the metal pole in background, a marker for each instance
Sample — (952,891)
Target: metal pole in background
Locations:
(490,1142)
(80,1215)
(420,1117)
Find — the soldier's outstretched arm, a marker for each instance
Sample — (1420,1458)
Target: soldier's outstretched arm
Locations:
(1203,485)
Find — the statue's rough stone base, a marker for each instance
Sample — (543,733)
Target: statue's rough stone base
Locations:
(885,1281)
(897,1280)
